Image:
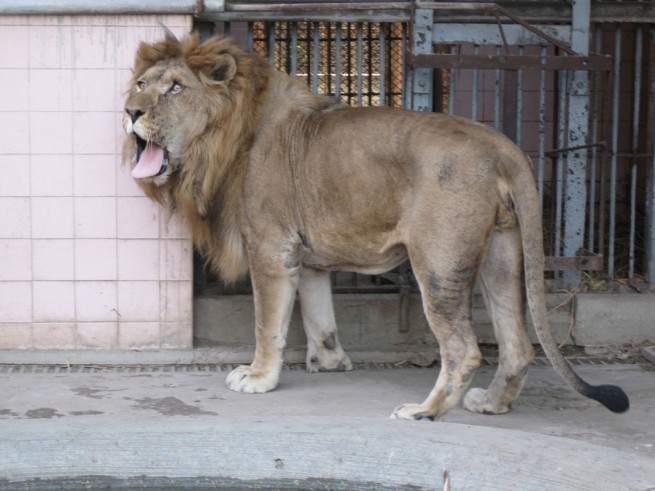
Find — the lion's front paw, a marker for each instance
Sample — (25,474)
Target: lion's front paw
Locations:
(477,400)
(412,412)
(245,379)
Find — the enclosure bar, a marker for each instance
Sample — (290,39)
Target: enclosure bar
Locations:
(614,149)
(474,87)
(453,83)
(405,74)
(510,84)
(422,83)
(383,66)
(337,61)
(634,149)
(577,134)
(541,159)
(650,185)
(272,42)
(360,62)
(369,67)
(559,184)
(294,48)
(519,101)
(497,93)
(249,37)
(316,52)
(593,162)
(327,26)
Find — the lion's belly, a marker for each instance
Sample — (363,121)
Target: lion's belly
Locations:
(356,257)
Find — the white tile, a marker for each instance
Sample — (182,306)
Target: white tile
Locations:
(95,175)
(176,259)
(52,175)
(138,259)
(95,259)
(53,259)
(94,133)
(54,301)
(14,133)
(96,335)
(94,90)
(138,218)
(15,172)
(50,132)
(176,301)
(16,260)
(176,335)
(15,301)
(52,218)
(16,335)
(14,47)
(138,335)
(138,300)
(15,218)
(95,218)
(17,80)
(93,47)
(95,301)
(50,46)
(54,336)
(50,90)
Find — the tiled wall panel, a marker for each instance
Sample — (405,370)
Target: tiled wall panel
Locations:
(86,261)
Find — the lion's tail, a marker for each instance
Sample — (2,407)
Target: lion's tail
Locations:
(526,204)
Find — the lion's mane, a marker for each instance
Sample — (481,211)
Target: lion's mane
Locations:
(206,190)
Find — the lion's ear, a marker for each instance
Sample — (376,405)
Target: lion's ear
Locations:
(225,69)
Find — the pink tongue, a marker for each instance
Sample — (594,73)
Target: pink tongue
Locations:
(150,162)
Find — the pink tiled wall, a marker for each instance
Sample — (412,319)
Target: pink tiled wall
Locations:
(86,261)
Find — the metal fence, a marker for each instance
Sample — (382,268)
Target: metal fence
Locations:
(619,158)
(537,103)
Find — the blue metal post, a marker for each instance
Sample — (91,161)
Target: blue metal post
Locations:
(421,44)
(578,130)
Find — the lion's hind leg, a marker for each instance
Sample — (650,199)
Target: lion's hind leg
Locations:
(502,289)
(446,292)
(324,351)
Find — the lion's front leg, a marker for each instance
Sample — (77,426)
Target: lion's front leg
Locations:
(324,351)
(274,294)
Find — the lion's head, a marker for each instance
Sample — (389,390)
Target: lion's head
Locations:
(189,117)
(188,106)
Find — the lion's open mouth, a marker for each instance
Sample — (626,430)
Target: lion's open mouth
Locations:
(151,159)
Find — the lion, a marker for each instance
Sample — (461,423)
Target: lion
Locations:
(289,186)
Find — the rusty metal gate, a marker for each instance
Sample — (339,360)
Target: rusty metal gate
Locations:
(573,85)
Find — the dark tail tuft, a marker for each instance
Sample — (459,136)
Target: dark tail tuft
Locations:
(610,396)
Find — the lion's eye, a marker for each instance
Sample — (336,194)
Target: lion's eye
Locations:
(140,85)
(175,88)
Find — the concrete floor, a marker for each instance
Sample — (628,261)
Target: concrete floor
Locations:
(150,429)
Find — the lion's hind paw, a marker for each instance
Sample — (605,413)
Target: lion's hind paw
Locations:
(477,400)
(245,379)
(412,412)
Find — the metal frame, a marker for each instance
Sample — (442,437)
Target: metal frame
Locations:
(585,144)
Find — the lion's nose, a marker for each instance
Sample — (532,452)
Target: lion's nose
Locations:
(134,114)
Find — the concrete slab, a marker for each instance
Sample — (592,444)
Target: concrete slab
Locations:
(366,322)
(185,430)
(614,318)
